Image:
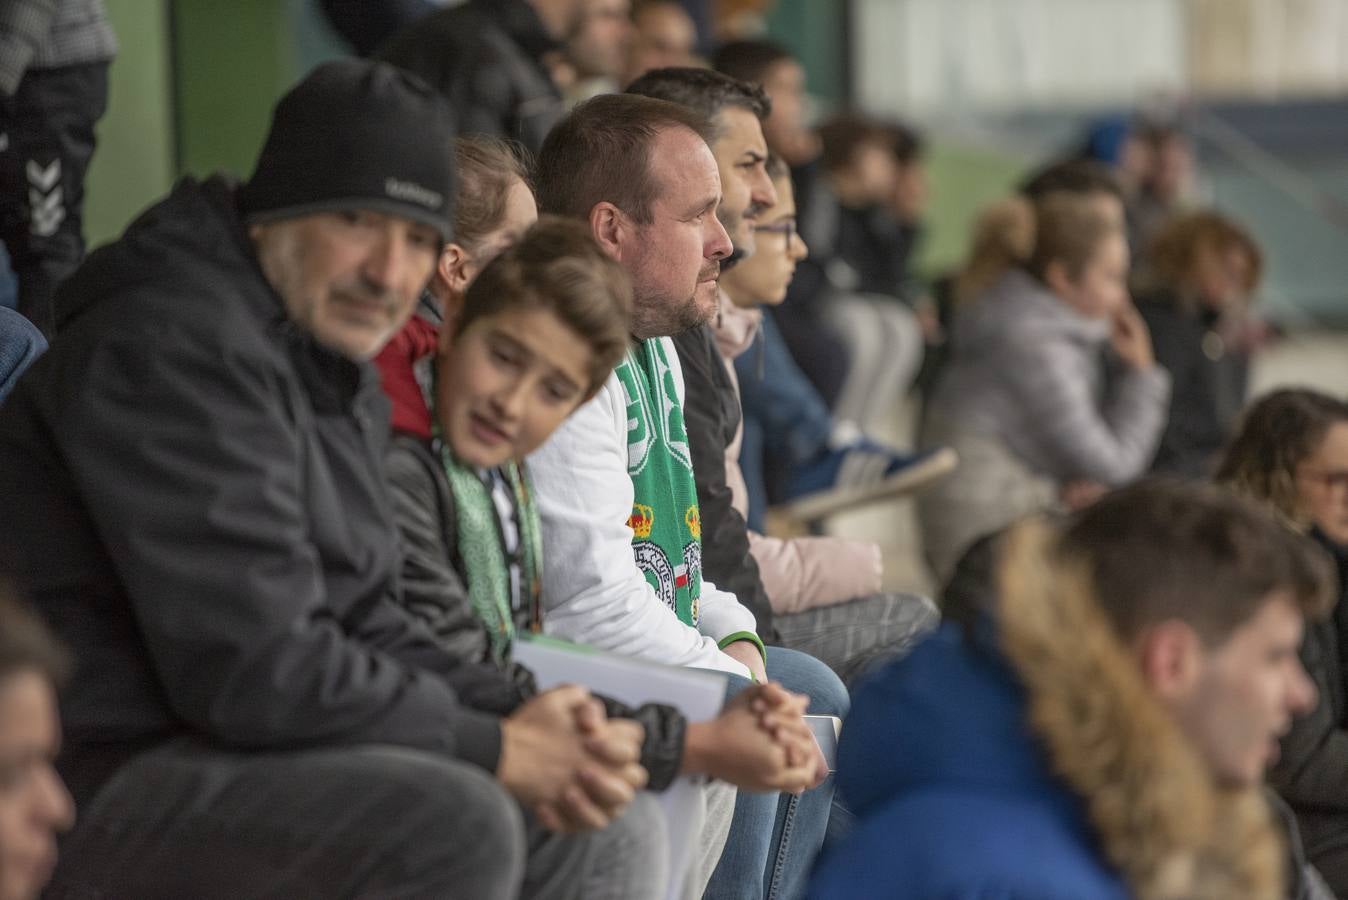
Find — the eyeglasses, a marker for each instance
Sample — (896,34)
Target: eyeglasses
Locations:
(782,226)
(1335,480)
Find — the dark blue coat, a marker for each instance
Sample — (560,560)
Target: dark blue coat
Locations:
(952,792)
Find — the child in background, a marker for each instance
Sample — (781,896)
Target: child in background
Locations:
(493,207)
(861,248)
(805,575)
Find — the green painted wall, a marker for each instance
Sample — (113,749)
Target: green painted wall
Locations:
(814,31)
(964,180)
(191,92)
(133,164)
(232,61)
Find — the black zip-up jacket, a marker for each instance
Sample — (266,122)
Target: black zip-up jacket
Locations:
(711,415)
(1311,773)
(195,500)
(486,56)
(1206,394)
(434,590)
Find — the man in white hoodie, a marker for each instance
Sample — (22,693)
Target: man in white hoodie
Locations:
(615,486)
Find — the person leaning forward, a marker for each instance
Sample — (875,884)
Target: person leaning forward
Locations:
(197,508)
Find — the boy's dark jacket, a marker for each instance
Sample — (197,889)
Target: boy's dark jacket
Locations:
(435,591)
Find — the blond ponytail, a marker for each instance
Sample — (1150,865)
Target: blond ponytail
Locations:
(1003,238)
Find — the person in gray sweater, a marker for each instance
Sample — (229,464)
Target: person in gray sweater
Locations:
(1025,400)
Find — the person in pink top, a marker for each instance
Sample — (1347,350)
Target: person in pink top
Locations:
(802,575)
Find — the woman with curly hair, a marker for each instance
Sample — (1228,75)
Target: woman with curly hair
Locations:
(1292,453)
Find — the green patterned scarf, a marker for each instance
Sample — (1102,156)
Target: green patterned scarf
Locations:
(666,526)
(482,549)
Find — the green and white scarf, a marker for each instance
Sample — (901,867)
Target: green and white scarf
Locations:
(666,526)
(482,549)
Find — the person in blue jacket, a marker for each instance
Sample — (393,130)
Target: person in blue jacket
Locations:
(1099,725)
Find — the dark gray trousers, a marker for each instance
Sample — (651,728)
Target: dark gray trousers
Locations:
(854,637)
(368,822)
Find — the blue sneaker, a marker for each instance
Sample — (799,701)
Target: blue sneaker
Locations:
(861,472)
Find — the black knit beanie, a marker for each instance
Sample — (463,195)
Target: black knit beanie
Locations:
(356,134)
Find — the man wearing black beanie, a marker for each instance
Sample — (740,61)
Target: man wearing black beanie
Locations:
(195,503)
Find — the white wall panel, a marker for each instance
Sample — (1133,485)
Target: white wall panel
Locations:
(933,56)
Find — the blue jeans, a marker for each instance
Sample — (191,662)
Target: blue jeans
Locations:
(781,410)
(20,344)
(774,838)
(9,282)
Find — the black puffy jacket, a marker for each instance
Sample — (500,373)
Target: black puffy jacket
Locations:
(1206,391)
(195,500)
(434,591)
(1311,773)
(711,413)
(486,56)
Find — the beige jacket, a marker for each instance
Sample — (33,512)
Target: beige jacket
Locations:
(804,572)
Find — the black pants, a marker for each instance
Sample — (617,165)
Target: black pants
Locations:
(189,822)
(48,140)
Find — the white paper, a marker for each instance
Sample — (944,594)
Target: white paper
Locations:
(697,693)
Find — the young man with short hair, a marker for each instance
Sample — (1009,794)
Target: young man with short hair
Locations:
(1099,725)
(802,390)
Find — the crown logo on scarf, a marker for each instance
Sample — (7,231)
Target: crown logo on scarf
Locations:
(641,520)
(694,521)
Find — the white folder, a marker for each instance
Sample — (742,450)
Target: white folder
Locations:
(697,693)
